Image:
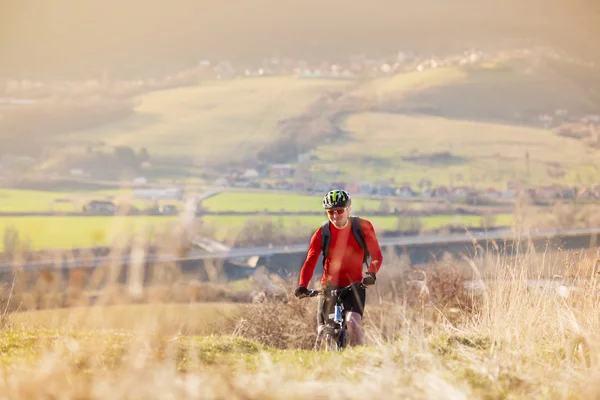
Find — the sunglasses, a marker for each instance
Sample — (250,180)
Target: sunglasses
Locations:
(338,211)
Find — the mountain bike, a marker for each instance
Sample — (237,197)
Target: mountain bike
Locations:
(335,326)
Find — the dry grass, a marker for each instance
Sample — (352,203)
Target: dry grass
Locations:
(428,337)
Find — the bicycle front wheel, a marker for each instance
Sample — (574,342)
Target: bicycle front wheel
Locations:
(331,343)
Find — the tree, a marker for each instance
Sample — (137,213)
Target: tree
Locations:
(384,206)
(143,156)
(409,223)
(126,157)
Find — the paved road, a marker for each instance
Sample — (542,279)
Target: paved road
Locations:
(239,253)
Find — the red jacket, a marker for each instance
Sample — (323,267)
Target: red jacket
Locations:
(344,263)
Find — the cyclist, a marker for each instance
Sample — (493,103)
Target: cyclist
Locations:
(343,264)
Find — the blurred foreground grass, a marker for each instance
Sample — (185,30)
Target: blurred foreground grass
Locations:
(428,336)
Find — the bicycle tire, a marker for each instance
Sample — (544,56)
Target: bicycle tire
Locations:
(331,343)
(342,340)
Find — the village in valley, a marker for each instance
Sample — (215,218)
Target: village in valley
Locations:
(136,165)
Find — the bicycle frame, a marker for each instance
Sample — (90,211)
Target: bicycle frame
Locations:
(335,328)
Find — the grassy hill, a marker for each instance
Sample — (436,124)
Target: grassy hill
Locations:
(468,125)
(212,122)
(409,148)
(512,90)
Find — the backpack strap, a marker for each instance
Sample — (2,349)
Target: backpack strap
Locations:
(360,238)
(325,242)
(325,239)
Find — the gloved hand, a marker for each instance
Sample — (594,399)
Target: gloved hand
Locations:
(369,279)
(301,291)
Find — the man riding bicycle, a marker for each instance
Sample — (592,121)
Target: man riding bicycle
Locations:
(343,262)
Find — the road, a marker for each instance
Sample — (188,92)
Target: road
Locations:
(238,253)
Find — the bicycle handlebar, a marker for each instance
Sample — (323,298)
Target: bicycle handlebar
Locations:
(336,292)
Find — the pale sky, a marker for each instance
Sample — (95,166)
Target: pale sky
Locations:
(82,37)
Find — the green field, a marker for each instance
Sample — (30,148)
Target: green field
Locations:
(66,232)
(17,200)
(482,153)
(20,200)
(254,201)
(213,121)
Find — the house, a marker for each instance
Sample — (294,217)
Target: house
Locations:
(282,185)
(140,180)
(460,192)
(168,209)
(592,118)
(99,207)
(304,157)
(353,188)
(281,171)
(491,193)
(405,191)
(250,173)
(585,193)
(561,112)
(508,194)
(338,185)
(321,187)
(224,69)
(365,187)
(530,193)
(546,192)
(221,182)
(566,192)
(440,191)
(385,190)
(300,186)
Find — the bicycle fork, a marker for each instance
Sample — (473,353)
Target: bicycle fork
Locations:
(334,330)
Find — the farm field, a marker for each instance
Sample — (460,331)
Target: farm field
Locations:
(87,231)
(292,202)
(21,200)
(18,200)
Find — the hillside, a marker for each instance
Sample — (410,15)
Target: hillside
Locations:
(452,123)
(514,91)
(213,122)
(381,146)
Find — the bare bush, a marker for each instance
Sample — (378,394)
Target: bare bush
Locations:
(565,215)
(262,231)
(281,324)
